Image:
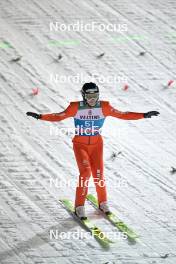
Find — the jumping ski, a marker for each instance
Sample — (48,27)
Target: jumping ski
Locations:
(87,224)
(114,220)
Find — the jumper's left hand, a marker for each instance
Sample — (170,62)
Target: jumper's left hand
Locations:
(150,114)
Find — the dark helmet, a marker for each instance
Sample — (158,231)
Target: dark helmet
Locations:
(89,88)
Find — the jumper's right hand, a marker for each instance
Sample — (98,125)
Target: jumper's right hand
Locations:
(34,115)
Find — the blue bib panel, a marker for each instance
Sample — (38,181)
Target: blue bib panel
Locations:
(89,121)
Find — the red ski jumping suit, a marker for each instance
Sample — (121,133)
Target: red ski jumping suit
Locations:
(88,143)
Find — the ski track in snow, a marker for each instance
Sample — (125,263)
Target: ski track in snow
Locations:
(30,156)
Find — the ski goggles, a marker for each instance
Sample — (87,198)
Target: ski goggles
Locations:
(92,96)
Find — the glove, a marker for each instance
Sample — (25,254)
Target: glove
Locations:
(150,114)
(37,116)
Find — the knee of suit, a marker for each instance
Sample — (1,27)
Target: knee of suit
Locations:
(85,171)
(84,178)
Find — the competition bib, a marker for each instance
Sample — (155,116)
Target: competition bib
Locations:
(88,121)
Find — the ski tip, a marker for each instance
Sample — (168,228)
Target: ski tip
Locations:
(61,201)
(64,200)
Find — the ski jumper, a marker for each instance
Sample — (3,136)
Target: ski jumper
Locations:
(88,142)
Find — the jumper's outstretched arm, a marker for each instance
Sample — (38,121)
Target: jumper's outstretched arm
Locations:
(55,117)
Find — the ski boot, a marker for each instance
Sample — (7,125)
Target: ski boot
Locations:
(80,212)
(105,208)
